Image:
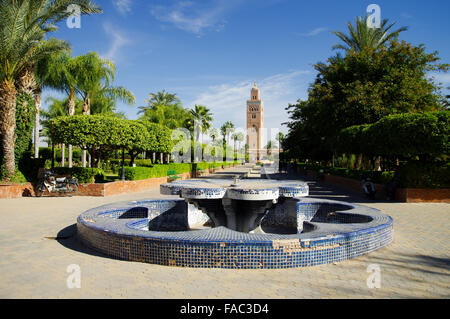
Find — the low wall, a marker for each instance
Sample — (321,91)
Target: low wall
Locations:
(121,187)
(423,195)
(17,190)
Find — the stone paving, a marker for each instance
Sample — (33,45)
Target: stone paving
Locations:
(37,246)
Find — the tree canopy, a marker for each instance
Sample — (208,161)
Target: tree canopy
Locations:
(361,88)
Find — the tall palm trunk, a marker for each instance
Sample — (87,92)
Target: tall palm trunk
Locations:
(38,102)
(27,84)
(71,111)
(63,155)
(8,95)
(86,111)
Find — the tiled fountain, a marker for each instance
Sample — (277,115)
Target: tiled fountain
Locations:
(223,223)
(238,205)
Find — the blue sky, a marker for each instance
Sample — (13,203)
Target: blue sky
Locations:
(210,52)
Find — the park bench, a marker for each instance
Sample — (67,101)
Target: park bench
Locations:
(172,176)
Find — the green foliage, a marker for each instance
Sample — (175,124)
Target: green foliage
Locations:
(103,132)
(161,137)
(352,140)
(404,135)
(361,88)
(412,174)
(46,154)
(165,109)
(139,173)
(17,177)
(25,114)
(431,175)
(364,36)
(83,174)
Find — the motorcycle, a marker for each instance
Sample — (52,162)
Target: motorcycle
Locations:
(368,188)
(53,184)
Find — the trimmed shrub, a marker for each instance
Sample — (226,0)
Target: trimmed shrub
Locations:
(403,135)
(425,175)
(83,174)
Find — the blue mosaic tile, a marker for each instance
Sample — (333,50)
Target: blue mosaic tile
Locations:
(330,231)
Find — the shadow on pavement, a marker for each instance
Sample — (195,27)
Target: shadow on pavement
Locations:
(319,189)
(68,238)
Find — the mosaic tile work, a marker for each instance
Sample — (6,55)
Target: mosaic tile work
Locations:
(330,231)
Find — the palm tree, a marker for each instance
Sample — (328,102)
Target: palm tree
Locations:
(104,100)
(94,77)
(202,116)
(41,75)
(93,72)
(23,27)
(59,71)
(213,133)
(166,109)
(158,99)
(226,130)
(237,137)
(362,35)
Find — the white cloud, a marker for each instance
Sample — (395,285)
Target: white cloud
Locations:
(119,40)
(227,101)
(443,78)
(123,6)
(193,17)
(314,32)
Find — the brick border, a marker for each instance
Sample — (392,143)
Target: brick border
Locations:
(423,195)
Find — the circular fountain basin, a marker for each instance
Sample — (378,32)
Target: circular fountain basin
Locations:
(165,232)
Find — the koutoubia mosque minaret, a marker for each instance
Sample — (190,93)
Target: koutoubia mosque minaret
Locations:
(255,124)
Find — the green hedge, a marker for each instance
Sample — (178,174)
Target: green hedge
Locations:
(83,175)
(158,170)
(430,175)
(402,135)
(91,175)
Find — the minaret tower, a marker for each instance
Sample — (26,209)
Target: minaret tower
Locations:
(255,123)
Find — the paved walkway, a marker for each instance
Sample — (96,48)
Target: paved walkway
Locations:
(33,264)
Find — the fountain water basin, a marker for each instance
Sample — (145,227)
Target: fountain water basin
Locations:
(245,220)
